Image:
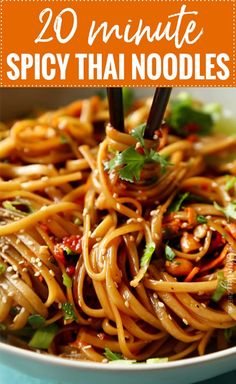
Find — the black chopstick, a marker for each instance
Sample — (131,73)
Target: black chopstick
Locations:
(115,102)
(157,111)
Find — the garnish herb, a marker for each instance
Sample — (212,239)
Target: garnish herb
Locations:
(229,211)
(220,289)
(2,269)
(43,337)
(36,321)
(68,310)
(144,263)
(185,118)
(201,219)
(19,206)
(230,183)
(229,334)
(147,255)
(67,280)
(131,162)
(169,253)
(178,202)
(111,356)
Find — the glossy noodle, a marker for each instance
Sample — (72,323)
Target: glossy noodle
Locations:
(94,266)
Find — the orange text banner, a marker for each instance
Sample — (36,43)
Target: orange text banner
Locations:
(117,43)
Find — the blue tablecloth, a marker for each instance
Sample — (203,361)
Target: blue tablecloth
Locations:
(9,376)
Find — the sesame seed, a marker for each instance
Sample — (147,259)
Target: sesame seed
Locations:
(127,303)
(30,242)
(105,361)
(131,238)
(40,264)
(4,299)
(140,219)
(115,195)
(37,259)
(10,294)
(51,272)
(203,305)
(33,260)
(15,276)
(185,321)
(160,304)
(43,208)
(170,317)
(85,212)
(155,295)
(153,213)
(25,270)
(15,268)
(9,269)
(59,305)
(87,347)
(118,206)
(21,262)
(37,274)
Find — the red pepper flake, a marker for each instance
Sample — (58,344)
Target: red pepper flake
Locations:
(59,253)
(193,138)
(73,242)
(70,270)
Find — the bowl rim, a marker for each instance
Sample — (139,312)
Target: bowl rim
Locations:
(93,366)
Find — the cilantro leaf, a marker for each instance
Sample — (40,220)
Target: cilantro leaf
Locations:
(134,164)
(138,133)
(201,219)
(185,118)
(169,253)
(157,158)
(112,356)
(68,310)
(221,287)
(229,211)
(178,201)
(36,321)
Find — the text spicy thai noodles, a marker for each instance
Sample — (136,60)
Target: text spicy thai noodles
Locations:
(113,246)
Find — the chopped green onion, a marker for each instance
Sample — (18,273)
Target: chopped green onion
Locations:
(229,211)
(2,269)
(169,253)
(124,361)
(201,219)
(67,280)
(147,255)
(16,205)
(112,355)
(68,310)
(157,360)
(43,337)
(220,289)
(36,321)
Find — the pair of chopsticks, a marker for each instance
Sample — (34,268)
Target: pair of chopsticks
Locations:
(155,118)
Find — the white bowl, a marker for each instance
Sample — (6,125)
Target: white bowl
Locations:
(18,101)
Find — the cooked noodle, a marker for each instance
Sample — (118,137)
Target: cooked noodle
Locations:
(73,233)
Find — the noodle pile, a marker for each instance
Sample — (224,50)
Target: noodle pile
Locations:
(73,236)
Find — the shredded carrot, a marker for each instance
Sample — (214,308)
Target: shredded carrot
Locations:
(191,274)
(215,262)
